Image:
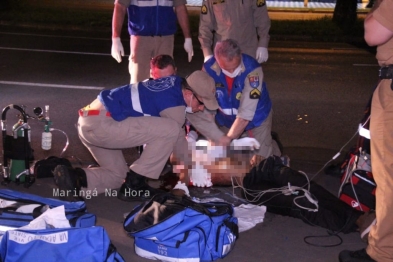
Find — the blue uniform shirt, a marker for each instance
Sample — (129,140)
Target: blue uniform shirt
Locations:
(147,98)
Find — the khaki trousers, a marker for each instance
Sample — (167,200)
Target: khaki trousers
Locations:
(380,239)
(143,49)
(105,138)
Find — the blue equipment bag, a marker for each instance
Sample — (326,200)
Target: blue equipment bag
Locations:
(75,212)
(175,228)
(58,244)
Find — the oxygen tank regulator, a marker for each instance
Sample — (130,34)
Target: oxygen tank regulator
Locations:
(17,152)
(46,141)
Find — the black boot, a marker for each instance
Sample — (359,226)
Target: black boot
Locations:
(355,256)
(70,181)
(135,188)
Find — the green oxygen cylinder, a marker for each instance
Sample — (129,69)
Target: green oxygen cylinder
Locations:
(18,166)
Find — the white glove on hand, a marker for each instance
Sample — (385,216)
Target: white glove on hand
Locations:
(117,50)
(199,176)
(214,152)
(188,48)
(192,136)
(183,187)
(207,58)
(247,143)
(262,54)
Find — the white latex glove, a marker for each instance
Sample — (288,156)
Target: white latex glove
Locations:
(117,50)
(214,152)
(262,54)
(192,136)
(207,58)
(188,48)
(183,187)
(199,176)
(207,152)
(245,143)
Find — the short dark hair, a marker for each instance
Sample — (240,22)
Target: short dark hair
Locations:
(162,61)
(228,48)
(185,85)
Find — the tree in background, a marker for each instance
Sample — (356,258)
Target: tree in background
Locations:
(345,14)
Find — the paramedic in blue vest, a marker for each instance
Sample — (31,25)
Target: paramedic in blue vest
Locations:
(245,105)
(151,25)
(151,112)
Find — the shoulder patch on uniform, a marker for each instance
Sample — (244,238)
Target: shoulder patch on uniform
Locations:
(254,80)
(255,94)
(239,95)
(261,3)
(204,9)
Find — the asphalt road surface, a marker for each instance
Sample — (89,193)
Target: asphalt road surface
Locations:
(319,92)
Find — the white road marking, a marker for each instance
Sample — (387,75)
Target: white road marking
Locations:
(52,51)
(50,85)
(365,65)
(56,36)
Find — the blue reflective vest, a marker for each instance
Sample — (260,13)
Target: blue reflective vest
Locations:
(147,98)
(229,103)
(151,18)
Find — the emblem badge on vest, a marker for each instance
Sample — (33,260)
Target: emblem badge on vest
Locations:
(238,95)
(219,94)
(254,80)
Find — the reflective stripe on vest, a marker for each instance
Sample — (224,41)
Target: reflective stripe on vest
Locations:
(136,102)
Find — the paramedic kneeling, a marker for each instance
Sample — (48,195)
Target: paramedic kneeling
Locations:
(151,112)
(245,105)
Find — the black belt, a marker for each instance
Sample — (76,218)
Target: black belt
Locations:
(386,72)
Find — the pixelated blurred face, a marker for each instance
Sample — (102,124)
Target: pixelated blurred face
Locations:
(212,164)
(228,167)
(156,73)
(228,65)
(221,169)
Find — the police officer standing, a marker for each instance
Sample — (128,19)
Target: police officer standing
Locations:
(378,31)
(245,21)
(151,25)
